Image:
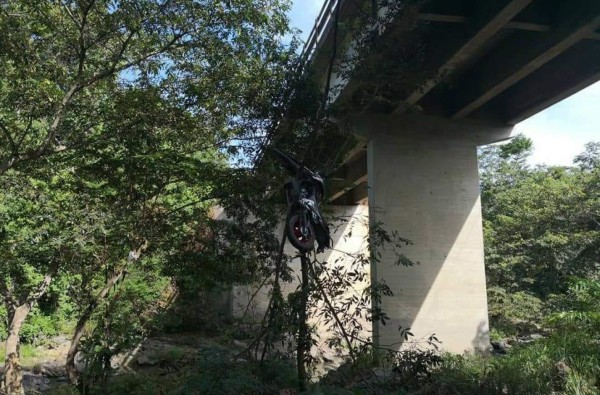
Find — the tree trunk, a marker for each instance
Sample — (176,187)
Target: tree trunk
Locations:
(87,313)
(12,383)
(81,323)
(303,347)
(18,312)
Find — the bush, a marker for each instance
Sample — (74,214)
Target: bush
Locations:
(219,374)
(513,313)
(565,362)
(578,308)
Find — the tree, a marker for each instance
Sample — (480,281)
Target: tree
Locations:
(62,63)
(541,227)
(134,103)
(46,231)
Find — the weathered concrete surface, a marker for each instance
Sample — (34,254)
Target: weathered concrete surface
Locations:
(349,233)
(349,237)
(424,183)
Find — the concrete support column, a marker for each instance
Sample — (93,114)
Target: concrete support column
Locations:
(424,183)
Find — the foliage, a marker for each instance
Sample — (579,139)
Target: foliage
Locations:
(46,230)
(578,308)
(541,228)
(516,312)
(63,62)
(218,374)
(121,321)
(29,355)
(339,297)
(563,363)
(117,123)
(416,364)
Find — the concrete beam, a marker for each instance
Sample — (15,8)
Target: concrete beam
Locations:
(357,195)
(512,25)
(561,79)
(360,194)
(351,175)
(513,120)
(486,31)
(514,62)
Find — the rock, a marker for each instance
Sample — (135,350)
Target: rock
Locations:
(562,368)
(80,362)
(51,369)
(529,338)
(383,374)
(146,360)
(500,347)
(35,383)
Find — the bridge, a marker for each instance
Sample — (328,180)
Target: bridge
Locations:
(443,78)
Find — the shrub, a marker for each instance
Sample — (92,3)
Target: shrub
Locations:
(565,362)
(578,308)
(218,373)
(513,313)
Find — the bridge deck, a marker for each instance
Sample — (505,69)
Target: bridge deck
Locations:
(500,61)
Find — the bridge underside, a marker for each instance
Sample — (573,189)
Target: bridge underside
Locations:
(449,76)
(497,61)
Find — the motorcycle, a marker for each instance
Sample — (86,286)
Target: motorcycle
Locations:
(304,190)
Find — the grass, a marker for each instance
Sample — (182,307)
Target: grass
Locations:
(567,362)
(29,355)
(564,363)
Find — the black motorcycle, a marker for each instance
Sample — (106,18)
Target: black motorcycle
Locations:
(304,190)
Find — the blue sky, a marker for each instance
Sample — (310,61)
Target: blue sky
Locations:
(558,133)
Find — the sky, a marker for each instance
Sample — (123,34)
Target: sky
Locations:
(559,133)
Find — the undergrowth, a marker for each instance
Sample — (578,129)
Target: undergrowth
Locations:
(563,363)
(566,362)
(28,354)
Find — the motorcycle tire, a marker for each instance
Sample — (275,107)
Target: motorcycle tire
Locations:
(293,226)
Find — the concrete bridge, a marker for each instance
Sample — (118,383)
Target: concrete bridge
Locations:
(480,67)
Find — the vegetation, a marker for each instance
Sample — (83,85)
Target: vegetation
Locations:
(124,123)
(117,119)
(542,231)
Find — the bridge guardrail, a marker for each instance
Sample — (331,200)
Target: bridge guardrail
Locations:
(320,29)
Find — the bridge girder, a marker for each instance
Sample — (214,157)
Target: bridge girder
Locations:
(500,61)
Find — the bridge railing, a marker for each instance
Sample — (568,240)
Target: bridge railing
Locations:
(321,29)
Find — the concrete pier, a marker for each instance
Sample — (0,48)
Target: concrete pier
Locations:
(423,183)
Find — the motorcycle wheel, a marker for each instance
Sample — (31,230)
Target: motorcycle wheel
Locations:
(293,230)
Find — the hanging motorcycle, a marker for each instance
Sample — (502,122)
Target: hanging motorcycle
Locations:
(304,190)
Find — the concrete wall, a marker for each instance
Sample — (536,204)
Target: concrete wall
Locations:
(423,182)
(349,235)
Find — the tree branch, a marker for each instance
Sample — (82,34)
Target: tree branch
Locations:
(115,69)
(42,287)
(11,142)
(72,17)
(7,293)
(333,312)
(27,130)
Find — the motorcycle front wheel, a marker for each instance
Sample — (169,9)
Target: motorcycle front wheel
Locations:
(300,232)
